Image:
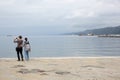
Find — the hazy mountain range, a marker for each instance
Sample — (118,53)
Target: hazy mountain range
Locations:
(100,31)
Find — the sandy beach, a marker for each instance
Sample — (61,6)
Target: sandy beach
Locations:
(61,69)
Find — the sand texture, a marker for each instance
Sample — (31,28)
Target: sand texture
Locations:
(61,69)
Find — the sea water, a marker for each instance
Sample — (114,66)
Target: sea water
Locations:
(63,46)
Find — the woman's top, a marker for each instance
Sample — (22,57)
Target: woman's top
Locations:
(27,46)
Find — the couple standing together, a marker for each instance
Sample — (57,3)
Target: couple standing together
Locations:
(20,45)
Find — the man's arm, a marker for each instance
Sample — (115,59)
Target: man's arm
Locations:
(15,40)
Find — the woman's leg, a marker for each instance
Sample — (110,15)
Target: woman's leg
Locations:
(27,55)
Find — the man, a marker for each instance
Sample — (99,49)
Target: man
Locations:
(19,48)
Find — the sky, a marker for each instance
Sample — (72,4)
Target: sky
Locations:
(44,17)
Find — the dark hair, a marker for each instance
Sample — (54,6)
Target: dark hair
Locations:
(26,38)
(20,37)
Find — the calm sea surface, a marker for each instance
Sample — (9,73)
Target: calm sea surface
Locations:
(63,46)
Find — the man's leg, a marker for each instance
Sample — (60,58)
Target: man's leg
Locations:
(21,53)
(18,56)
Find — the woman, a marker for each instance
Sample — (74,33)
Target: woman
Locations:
(27,48)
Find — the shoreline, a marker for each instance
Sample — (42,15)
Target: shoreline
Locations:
(65,57)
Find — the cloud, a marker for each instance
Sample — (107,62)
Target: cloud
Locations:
(65,14)
(80,14)
(96,13)
(6,2)
(95,8)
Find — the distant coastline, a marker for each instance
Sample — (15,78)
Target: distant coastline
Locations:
(105,35)
(112,36)
(113,32)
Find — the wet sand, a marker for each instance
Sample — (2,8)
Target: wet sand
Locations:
(61,69)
